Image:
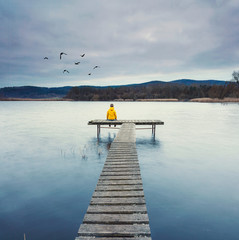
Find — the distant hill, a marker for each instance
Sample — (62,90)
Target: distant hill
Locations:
(60,92)
(33,92)
(189,82)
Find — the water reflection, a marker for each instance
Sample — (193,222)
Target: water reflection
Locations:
(146,142)
(105,141)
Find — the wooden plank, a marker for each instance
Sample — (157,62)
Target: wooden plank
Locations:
(122,155)
(120,122)
(120,164)
(121,169)
(129,177)
(135,218)
(114,209)
(119,194)
(115,238)
(110,173)
(121,159)
(108,230)
(119,182)
(119,188)
(117,201)
(120,151)
(115,163)
(121,146)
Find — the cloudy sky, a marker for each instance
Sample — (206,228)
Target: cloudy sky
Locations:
(132,41)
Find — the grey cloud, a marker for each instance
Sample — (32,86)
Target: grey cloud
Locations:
(127,38)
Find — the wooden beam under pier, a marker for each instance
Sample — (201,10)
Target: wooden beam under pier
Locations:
(100,122)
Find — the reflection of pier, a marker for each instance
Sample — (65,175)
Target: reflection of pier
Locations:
(152,123)
(117,209)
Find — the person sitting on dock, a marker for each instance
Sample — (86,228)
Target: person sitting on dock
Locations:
(111,114)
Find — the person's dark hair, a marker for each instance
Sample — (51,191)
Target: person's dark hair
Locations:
(112,105)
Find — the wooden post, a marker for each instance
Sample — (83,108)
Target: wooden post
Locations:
(153,129)
(98,130)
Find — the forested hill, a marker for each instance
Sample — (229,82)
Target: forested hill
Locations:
(181,89)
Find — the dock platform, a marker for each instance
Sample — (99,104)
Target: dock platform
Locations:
(117,209)
(100,122)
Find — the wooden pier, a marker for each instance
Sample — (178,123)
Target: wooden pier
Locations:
(117,209)
(100,122)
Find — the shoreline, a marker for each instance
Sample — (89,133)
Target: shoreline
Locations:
(200,100)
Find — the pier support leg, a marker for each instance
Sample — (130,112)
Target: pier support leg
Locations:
(153,130)
(98,130)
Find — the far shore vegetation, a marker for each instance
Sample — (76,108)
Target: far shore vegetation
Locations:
(167,92)
(227,91)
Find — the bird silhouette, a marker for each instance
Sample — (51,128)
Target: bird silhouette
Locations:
(82,55)
(96,67)
(89,74)
(45,57)
(77,63)
(62,54)
(65,71)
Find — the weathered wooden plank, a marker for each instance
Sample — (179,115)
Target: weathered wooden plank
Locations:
(119,194)
(112,155)
(121,164)
(117,201)
(115,209)
(121,170)
(129,177)
(120,122)
(123,159)
(119,182)
(115,238)
(123,150)
(117,179)
(122,167)
(119,188)
(107,230)
(116,146)
(135,218)
(120,156)
(110,163)
(122,145)
(110,173)
(119,147)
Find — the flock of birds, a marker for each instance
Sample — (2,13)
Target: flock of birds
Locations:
(76,63)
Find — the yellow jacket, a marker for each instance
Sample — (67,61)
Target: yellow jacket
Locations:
(111,114)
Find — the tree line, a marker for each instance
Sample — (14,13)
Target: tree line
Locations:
(163,91)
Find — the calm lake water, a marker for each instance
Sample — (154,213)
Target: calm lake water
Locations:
(50,162)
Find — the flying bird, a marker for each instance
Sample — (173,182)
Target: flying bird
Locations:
(62,54)
(77,63)
(89,74)
(82,55)
(45,57)
(65,71)
(96,67)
